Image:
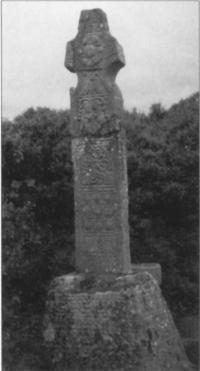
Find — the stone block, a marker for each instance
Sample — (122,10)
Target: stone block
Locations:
(123,326)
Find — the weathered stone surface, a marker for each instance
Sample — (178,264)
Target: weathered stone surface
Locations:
(98,149)
(152,268)
(126,327)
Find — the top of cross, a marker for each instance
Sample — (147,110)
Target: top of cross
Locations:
(94,48)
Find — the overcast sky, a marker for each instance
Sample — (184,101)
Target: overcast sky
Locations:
(159,38)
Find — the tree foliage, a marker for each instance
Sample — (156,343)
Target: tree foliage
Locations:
(38,225)
(163,192)
(38,214)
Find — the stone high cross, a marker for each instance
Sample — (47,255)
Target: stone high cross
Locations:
(98,149)
(85,315)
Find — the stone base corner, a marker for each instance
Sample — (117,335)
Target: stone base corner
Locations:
(152,268)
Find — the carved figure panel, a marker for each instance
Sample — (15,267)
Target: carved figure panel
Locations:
(96,164)
(91,113)
(91,83)
(96,106)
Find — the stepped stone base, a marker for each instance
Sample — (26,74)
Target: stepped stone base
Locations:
(120,323)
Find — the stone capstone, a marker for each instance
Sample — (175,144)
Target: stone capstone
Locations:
(122,325)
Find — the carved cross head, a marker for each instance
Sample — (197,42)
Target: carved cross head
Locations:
(96,57)
(94,48)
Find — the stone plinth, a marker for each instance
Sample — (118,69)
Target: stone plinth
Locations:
(121,324)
